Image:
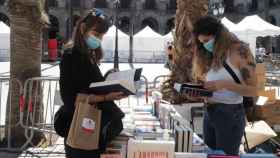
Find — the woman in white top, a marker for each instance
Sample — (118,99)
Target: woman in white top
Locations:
(224,119)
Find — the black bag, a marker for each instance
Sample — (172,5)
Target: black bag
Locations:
(62,121)
(248,102)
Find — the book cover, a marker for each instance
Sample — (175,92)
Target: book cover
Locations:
(113,86)
(187,139)
(178,139)
(191,87)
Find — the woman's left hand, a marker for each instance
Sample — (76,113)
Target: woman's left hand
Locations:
(216,85)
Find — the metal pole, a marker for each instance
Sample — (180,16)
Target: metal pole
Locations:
(70,20)
(131,31)
(116,57)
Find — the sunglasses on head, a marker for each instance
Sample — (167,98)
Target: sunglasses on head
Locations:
(95,12)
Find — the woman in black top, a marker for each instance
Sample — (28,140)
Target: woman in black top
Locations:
(78,69)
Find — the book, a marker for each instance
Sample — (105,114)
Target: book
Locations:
(187,139)
(190,155)
(122,81)
(178,139)
(150,149)
(191,87)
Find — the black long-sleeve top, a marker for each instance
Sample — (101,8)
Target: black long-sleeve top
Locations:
(77,72)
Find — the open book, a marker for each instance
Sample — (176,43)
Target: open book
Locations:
(122,81)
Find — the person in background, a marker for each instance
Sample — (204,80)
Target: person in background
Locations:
(224,120)
(79,68)
(170,54)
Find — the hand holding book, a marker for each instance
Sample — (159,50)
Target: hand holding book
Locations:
(122,81)
(114,96)
(193,90)
(107,97)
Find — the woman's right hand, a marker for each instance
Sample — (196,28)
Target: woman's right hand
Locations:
(114,96)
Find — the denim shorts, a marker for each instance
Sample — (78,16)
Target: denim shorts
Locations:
(224,126)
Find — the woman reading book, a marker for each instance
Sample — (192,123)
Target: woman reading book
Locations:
(78,69)
(224,120)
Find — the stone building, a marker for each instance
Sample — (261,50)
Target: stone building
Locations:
(133,15)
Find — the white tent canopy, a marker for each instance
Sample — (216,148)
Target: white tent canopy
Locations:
(4,36)
(253,26)
(229,24)
(147,43)
(108,42)
(147,32)
(169,37)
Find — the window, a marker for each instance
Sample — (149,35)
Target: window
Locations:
(124,24)
(170,24)
(125,4)
(229,6)
(272,3)
(100,4)
(152,23)
(150,4)
(2,2)
(52,3)
(4,18)
(173,4)
(76,3)
(254,5)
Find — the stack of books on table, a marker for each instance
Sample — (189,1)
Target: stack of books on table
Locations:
(118,147)
(147,126)
(150,149)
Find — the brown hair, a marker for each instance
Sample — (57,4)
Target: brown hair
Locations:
(203,62)
(84,25)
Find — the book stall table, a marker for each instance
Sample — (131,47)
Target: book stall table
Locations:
(167,136)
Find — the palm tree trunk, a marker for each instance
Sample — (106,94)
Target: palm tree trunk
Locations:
(26,41)
(188,12)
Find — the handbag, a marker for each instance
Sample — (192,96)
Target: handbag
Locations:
(85,127)
(248,102)
(62,121)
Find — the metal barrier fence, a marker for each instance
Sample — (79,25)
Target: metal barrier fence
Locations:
(41,95)
(7,88)
(39,99)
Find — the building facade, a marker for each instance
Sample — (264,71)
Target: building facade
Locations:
(134,15)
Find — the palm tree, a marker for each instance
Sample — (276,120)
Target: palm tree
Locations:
(187,13)
(27,19)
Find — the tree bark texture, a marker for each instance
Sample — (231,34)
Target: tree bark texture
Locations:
(26,40)
(187,13)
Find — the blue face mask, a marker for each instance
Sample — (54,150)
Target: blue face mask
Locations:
(209,45)
(93,42)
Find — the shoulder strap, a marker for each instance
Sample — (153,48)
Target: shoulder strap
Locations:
(231,72)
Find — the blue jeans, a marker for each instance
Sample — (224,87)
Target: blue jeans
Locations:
(224,127)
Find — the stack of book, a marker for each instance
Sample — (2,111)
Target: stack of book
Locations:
(118,147)
(183,139)
(147,126)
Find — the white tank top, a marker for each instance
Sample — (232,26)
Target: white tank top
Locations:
(224,96)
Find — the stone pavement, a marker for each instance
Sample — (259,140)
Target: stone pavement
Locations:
(54,151)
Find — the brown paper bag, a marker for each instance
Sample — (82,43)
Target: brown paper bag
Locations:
(85,126)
